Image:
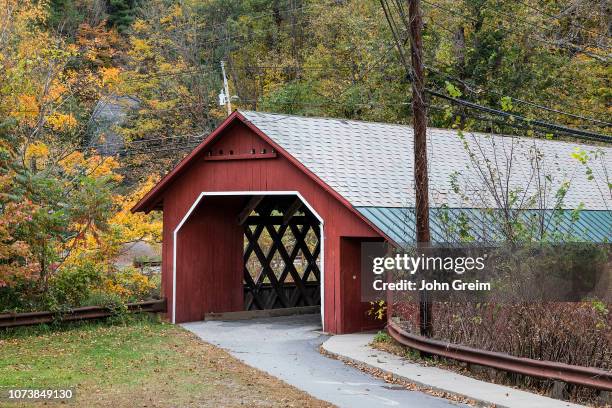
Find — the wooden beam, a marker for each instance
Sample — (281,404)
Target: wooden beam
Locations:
(248,209)
(290,212)
(246,156)
(279,220)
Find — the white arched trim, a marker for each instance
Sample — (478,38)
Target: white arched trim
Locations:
(249,193)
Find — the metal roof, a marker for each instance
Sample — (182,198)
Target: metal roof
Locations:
(477,224)
(370,164)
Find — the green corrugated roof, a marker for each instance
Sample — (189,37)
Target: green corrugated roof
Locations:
(449,225)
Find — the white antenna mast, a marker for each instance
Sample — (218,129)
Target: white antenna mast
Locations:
(228,102)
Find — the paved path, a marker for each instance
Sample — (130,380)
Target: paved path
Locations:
(288,348)
(355,347)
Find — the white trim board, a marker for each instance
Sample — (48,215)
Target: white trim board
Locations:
(249,193)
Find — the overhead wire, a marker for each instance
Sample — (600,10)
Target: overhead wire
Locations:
(399,41)
(568,46)
(576,133)
(470,87)
(579,26)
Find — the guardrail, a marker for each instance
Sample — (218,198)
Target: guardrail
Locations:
(586,376)
(81,313)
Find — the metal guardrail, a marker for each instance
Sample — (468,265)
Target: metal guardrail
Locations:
(586,376)
(81,313)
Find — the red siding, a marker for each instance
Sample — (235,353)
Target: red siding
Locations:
(210,246)
(355,316)
(273,174)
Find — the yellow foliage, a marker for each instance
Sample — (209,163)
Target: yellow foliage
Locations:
(175,13)
(27,108)
(129,283)
(125,226)
(97,43)
(71,163)
(56,91)
(110,75)
(96,166)
(117,289)
(139,25)
(37,150)
(141,49)
(61,122)
(99,166)
(137,226)
(378,309)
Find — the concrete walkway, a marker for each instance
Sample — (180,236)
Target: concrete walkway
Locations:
(288,348)
(355,348)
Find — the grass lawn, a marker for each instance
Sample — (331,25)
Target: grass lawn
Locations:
(142,363)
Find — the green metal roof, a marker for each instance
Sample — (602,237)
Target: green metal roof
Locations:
(449,225)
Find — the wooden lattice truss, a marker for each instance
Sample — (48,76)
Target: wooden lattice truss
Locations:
(282,245)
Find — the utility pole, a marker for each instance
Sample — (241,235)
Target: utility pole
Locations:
(419,111)
(228,99)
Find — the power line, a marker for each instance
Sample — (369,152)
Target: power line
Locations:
(249,68)
(568,46)
(500,122)
(393,27)
(141,141)
(498,12)
(518,100)
(455,100)
(258,15)
(577,133)
(544,13)
(190,141)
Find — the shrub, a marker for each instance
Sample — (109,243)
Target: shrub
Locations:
(382,337)
(571,333)
(70,286)
(130,285)
(85,284)
(105,299)
(111,301)
(22,295)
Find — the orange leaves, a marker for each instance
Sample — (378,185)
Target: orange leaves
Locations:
(104,166)
(73,162)
(56,91)
(15,254)
(97,44)
(110,76)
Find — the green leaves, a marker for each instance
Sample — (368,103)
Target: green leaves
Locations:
(506,103)
(452,90)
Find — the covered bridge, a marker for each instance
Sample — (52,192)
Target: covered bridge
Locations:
(270,210)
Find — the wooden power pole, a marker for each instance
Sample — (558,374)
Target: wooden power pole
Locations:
(419,111)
